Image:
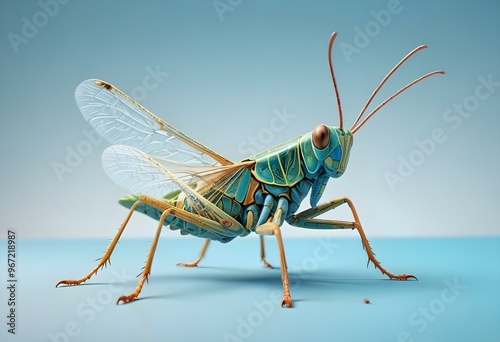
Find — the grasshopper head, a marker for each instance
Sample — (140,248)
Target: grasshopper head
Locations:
(326,148)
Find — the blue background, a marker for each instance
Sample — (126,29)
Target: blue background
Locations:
(229,74)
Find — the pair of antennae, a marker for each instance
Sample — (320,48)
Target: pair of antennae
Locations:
(357,125)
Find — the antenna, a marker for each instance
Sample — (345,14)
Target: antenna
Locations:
(353,130)
(330,45)
(355,126)
(421,47)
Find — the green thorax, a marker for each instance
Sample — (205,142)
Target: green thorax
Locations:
(279,165)
(287,163)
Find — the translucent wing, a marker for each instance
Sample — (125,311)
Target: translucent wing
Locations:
(138,172)
(133,171)
(123,121)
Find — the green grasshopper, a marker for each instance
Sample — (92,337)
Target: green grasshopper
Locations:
(189,187)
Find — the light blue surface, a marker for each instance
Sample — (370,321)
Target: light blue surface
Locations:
(455,299)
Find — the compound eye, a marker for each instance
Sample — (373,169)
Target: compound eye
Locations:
(321,137)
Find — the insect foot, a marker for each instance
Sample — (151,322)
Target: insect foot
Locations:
(69,282)
(127,299)
(136,292)
(187,264)
(287,301)
(402,276)
(266,264)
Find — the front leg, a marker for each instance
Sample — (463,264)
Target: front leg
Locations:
(307,219)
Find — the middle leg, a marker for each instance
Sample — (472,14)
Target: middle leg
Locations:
(249,223)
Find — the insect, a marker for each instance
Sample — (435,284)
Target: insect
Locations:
(189,187)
